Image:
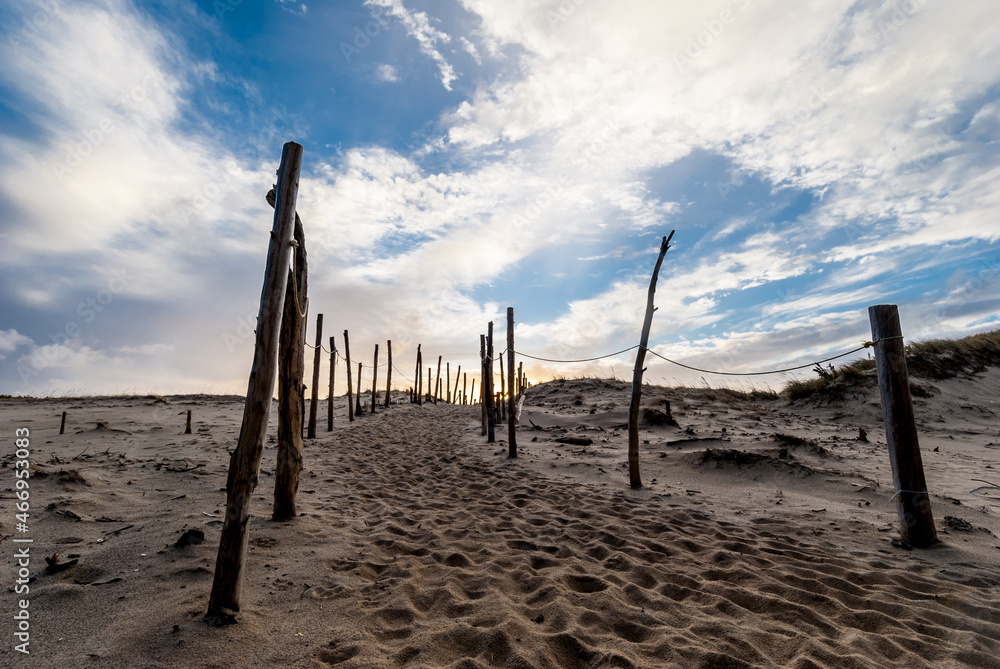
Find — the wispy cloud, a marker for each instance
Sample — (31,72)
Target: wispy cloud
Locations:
(418,25)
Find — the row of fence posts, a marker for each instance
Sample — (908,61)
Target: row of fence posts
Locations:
(280,338)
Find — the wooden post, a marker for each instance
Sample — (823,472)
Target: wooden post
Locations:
(314,399)
(291,369)
(375,380)
(244,464)
(419,381)
(329,403)
(472,392)
(511,423)
(357,395)
(501,405)
(465,380)
(913,505)
(458,377)
(388,374)
(430,375)
(350,382)
(520,378)
(187,427)
(488,379)
(437,382)
(447,382)
(482,383)
(62,423)
(640,357)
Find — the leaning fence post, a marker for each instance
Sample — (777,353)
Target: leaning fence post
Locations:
(437,382)
(511,423)
(633,407)
(350,382)
(913,505)
(314,398)
(419,381)
(244,464)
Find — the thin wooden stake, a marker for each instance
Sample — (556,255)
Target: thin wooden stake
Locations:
(375,380)
(388,374)
(437,382)
(511,423)
(488,377)
(913,505)
(447,382)
(333,367)
(187,428)
(482,385)
(62,423)
(357,395)
(244,464)
(419,381)
(640,357)
(465,380)
(350,382)
(314,399)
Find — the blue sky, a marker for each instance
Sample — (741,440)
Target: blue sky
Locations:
(462,156)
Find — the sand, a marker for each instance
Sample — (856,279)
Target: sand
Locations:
(761,539)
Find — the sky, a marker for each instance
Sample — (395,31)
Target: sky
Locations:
(463,156)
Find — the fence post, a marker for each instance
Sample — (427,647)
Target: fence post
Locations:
(357,395)
(375,380)
(314,398)
(388,374)
(329,404)
(430,375)
(187,427)
(511,423)
(350,382)
(62,423)
(482,384)
(419,381)
(291,369)
(913,505)
(488,379)
(244,464)
(437,382)
(465,380)
(447,382)
(633,407)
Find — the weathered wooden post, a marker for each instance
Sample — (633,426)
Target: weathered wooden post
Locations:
(437,382)
(520,378)
(419,380)
(472,392)
(333,367)
(511,423)
(465,380)
(291,369)
(375,380)
(187,427)
(388,374)
(357,395)
(62,423)
(640,357)
(350,383)
(447,383)
(913,505)
(244,464)
(501,405)
(482,384)
(314,398)
(458,376)
(430,376)
(488,379)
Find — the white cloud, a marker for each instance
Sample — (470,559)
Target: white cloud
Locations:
(294,7)
(418,25)
(386,73)
(11,340)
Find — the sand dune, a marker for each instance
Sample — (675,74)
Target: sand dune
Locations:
(761,539)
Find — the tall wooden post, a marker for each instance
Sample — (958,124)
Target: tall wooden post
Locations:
(62,423)
(388,374)
(465,380)
(314,399)
(430,376)
(187,426)
(244,464)
(291,370)
(482,384)
(501,405)
(375,380)
(333,367)
(357,395)
(640,357)
(447,383)
(458,377)
(350,383)
(490,417)
(419,377)
(913,505)
(520,378)
(511,423)
(472,392)
(437,382)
